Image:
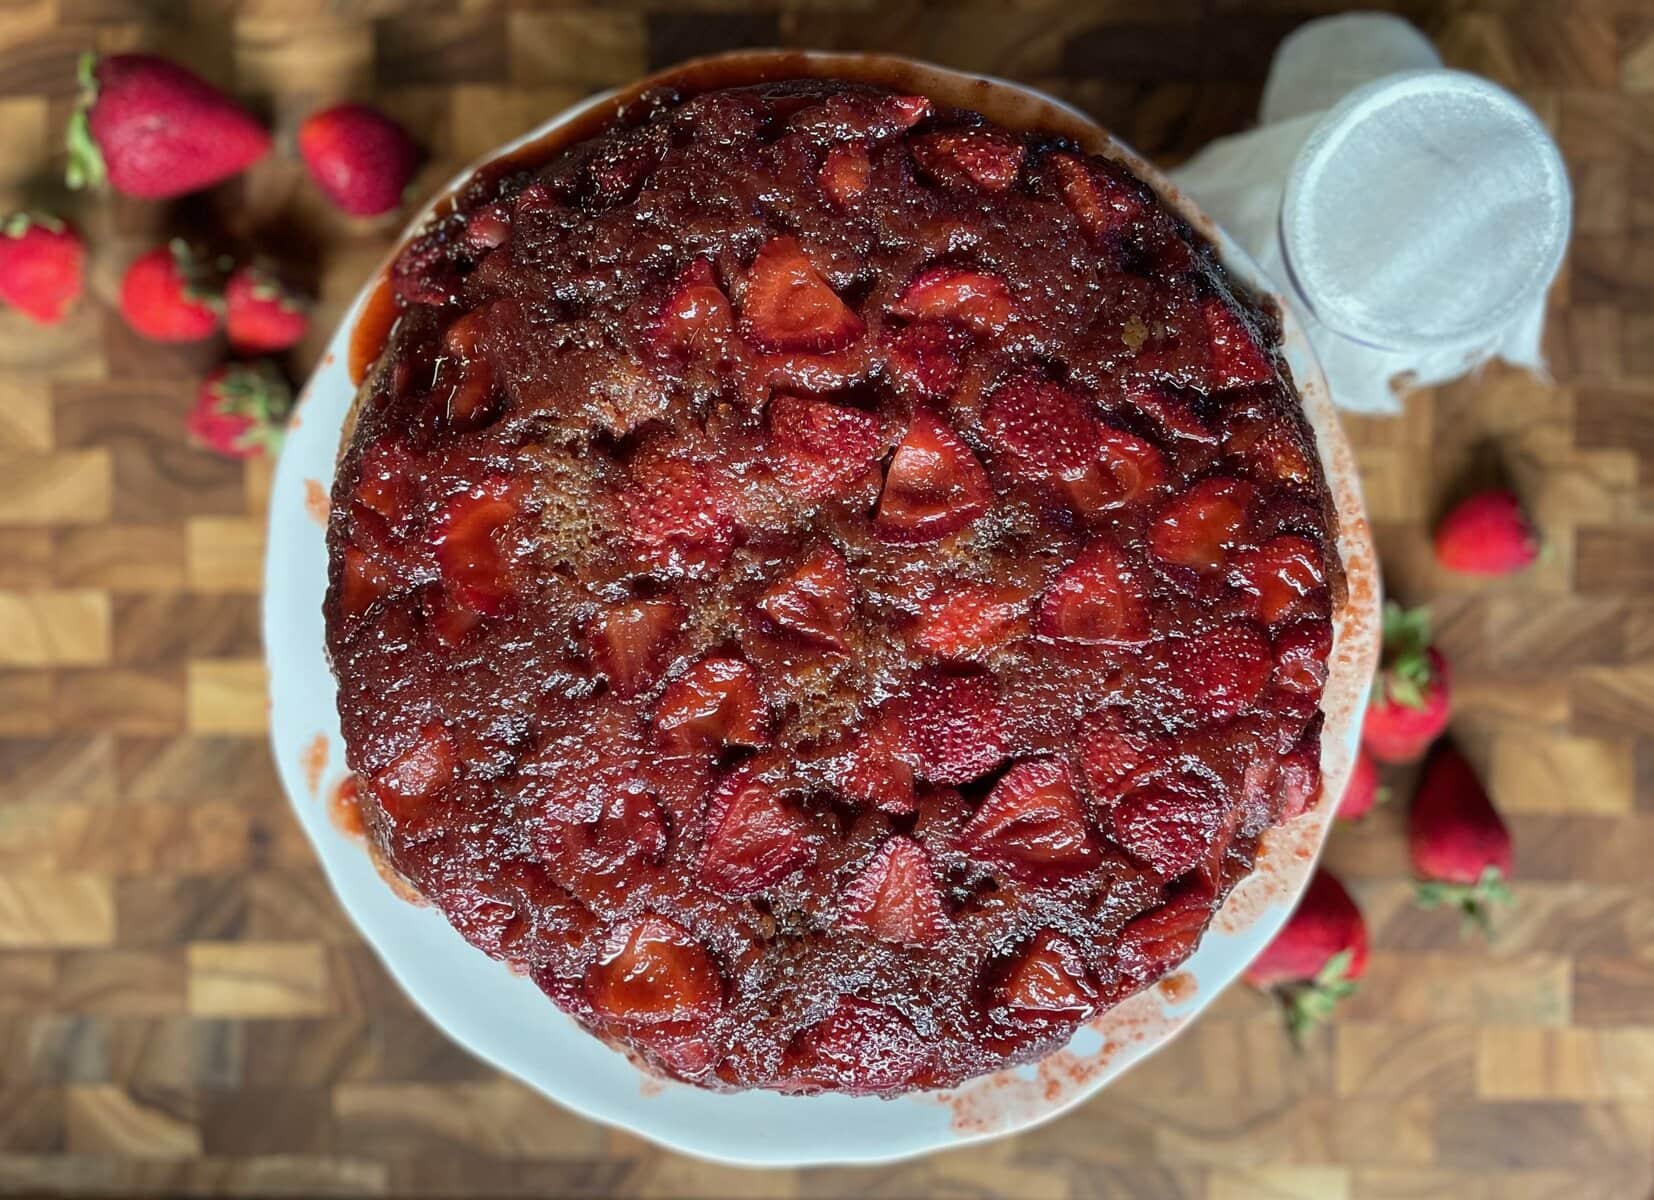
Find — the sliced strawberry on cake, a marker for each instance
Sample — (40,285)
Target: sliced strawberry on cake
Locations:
(754,838)
(1032,824)
(895,897)
(933,486)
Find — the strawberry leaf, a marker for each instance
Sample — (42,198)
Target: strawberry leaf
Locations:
(1475,901)
(86,166)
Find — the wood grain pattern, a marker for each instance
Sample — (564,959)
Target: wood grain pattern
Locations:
(184,1009)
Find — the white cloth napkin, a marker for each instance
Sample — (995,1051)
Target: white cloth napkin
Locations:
(1418,214)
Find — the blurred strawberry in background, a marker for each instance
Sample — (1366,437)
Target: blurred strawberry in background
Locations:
(171,294)
(1487,534)
(42,264)
(1317,957)
(241,410)
(1412,692)
(361,159)
(1459,845)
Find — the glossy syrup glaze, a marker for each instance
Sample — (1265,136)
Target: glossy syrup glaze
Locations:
(831,588)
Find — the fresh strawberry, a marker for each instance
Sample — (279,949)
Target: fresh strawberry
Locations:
(876,773)
(1362,791)
(42,262)
(1412,692)
(1234,358)
(1046,431)
(361,159)
(789,307)
(922,358)
(1096,600)
(1032,824)
(845,172)
(696,315)
(168,295)
(1103,204)
(631,642)
(753,838)
(1301,652)
(1487,534)
(149,128)
(1279,577)
(241,410)
(476,570)
(988,158)
(679,520)
(933,486)
(1316,958)
(1169,829)
(407,785)
(967,620)
(716,703)
(895,897)
(977,301)
(1459,844)
(1222,673)
(954,726)
(261,315)
(1110,751)
(860,1048)
(1200,527)
(652,971)
(817,449)
(814,599)
(1049,979)
(1160,939)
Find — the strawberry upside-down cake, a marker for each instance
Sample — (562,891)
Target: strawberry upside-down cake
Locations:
(830,588)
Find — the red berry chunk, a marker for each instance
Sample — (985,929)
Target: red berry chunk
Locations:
(969,297)
(1223,673)
(954,725)
(789,306)
(876,774)
(631,642)
(1234,357)
(1049,979)
(813,600)
(1170,829)
(1032,824)
(1096,600)
(1046,431)
(1280,576)
(921,358)
(1301,652)
(1104,205)
(753,839)
(365,581)
(652,971)
(933,486)
(696,316)
(632,827)
(679,521)
(1298,785)
(985,158)
(474,565)
(895,898)
(1159,940)
(970,619)
(844,173)
(413,778)
(1110,751)
(860,1047)
(1127,469)
(1200,527)
(817,449)
(716,703)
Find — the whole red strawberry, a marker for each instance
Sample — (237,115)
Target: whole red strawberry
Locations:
(150,128)
(261,314)
(1410,700)
(1459,844)
(1487,534)
(1362,791)
(241,410)
(359,157)
(42,262)
(170,295)
(1317,957)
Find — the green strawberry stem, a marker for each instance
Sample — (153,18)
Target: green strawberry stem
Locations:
(1475,901)
(16,225)
(1310,1004)
(1405,672)
(259,393)
(86,167)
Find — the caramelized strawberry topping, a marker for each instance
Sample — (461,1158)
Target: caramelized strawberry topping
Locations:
(933,486)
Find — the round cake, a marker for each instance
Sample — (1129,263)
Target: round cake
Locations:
(830,588)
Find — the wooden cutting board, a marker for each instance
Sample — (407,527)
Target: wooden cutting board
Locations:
(184,1008)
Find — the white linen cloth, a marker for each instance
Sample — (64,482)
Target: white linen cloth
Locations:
(1418,214)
